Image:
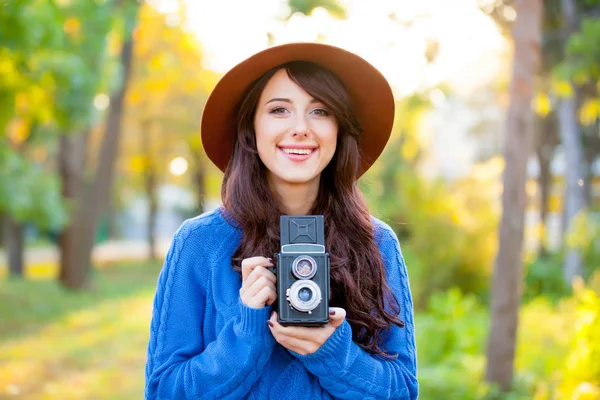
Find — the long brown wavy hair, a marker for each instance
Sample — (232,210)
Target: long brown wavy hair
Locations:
(358,281)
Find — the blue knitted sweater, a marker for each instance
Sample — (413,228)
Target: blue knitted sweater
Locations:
(206,344)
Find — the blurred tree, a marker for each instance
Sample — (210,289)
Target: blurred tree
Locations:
(168,89)
(567,76)
(579,112)
(505,296)
(545,141)
(28,76)
(546,137)
(95,194)
(81,78)
(574,197)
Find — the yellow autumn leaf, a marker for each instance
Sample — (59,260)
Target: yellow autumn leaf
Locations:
(562,89)
(589,112)
(21,103)
(72,26)
(134,97)
(138,164)
(410,150)
(18,131)
(156,63)
(542,104)
(157,86)
(8,71)
(39,101)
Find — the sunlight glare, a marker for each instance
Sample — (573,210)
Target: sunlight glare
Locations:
(101,101)
(178,166)
(390,34)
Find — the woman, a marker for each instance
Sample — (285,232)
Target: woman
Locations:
(293,128)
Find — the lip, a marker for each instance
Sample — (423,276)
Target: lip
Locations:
(297,157)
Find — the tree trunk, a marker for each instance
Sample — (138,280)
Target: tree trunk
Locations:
(150,186)
(574,197)
(199,179)
(111,217)
(506,285)
(590,152)
(152,211)
(95,195)
(71,165)
(15,248)
(544,184)
(545,145)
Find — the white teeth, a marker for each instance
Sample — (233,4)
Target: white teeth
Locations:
(297,151)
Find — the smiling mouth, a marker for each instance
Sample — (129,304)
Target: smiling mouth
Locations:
(297,151)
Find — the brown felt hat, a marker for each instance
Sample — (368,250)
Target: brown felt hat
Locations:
(370,92)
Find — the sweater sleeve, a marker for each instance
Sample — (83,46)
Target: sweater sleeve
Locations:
(348,372)
(179,364)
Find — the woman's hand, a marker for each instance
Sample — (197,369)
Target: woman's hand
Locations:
(306,340)
(258,283)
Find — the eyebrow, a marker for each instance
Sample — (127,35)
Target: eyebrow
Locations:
(288,100)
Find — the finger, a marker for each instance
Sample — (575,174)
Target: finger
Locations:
(267,295)
(257,286)
(261,299)
(300,346)
(316,334)
(336,316)
(249,264)
(253,277)
(258,272)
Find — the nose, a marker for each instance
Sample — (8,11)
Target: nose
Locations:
(300,128)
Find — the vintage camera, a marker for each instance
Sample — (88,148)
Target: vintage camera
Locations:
(302,272)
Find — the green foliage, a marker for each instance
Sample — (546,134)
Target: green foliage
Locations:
(30,32)
(79,68)
(543,275)
(582,64)
(51,67)
(451,338)
(28,193)
(557,355)
(447,229)
(30,25)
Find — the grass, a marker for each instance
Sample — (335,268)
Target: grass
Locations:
(55,344)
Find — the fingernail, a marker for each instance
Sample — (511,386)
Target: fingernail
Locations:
(331,312)
(270,323)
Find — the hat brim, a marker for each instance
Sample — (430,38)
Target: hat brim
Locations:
(372,97)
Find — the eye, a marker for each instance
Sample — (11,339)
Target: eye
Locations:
(278,110)
(321,112)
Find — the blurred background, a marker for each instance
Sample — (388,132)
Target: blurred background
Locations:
(101,161)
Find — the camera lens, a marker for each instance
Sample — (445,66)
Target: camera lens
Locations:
(304,267)
(304,295)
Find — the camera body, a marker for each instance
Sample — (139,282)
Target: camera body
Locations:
(302,272)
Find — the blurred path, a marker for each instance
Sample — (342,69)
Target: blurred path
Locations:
(42,262)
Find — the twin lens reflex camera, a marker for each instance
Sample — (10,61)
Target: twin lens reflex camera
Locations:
(302,272)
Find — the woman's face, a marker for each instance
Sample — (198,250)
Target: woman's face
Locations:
(296,135)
